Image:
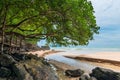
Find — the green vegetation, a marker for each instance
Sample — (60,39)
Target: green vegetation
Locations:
(64,22)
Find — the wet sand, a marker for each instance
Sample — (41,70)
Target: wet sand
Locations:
(60,69)
(109,60)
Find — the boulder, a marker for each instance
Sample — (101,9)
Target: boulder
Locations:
(6,60)
(104,74)
(25,67)
(74,73)
(21,72)
(4,72)
(33,70)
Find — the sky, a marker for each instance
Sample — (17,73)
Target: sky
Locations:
(107,14)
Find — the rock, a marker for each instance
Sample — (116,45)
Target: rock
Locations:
(74,73)
(84,77)
(21,72)
(33,70)
(104,74)
(4,72)
(27,67)
(40,72)
(6,60)
(3,79)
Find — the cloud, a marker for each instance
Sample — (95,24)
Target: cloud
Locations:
(107,12)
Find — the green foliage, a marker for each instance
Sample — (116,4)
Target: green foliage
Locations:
(64,22)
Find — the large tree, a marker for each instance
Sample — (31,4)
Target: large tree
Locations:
(64,22)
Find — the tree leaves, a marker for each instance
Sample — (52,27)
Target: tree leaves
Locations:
(63,22)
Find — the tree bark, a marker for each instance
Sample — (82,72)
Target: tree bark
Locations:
(3,33)
(20,45)
(10,44)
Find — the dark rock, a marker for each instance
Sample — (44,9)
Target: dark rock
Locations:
(21,57)
(6,60)
(18,57)
(33,70)
(25,67)
(40,72)
(74,73)
(104,74)
(3,79)
(4,72)
(21,72)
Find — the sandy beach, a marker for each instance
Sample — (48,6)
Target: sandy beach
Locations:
(109,60)
(43,53)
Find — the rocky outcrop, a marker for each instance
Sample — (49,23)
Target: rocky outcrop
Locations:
(105,74)
(97,74)
(74,73)
(25,67)
(79,73)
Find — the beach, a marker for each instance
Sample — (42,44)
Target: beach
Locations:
(63,61)
(43,53)
(108,60)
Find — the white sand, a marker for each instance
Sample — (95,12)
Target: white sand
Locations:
(39,53)
(104,55)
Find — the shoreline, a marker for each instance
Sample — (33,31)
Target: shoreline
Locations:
(116,63)
(43,53)
(106,60)
(61,69)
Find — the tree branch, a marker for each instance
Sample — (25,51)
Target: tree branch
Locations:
(18,24)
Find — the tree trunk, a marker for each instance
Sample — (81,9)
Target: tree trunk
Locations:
(2,45)
(20,45)
(3,29)
(10,44)
(16,44)
(3,35)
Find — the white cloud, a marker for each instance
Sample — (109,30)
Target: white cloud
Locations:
(107,12)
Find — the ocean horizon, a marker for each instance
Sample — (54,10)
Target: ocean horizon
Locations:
(85,50)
